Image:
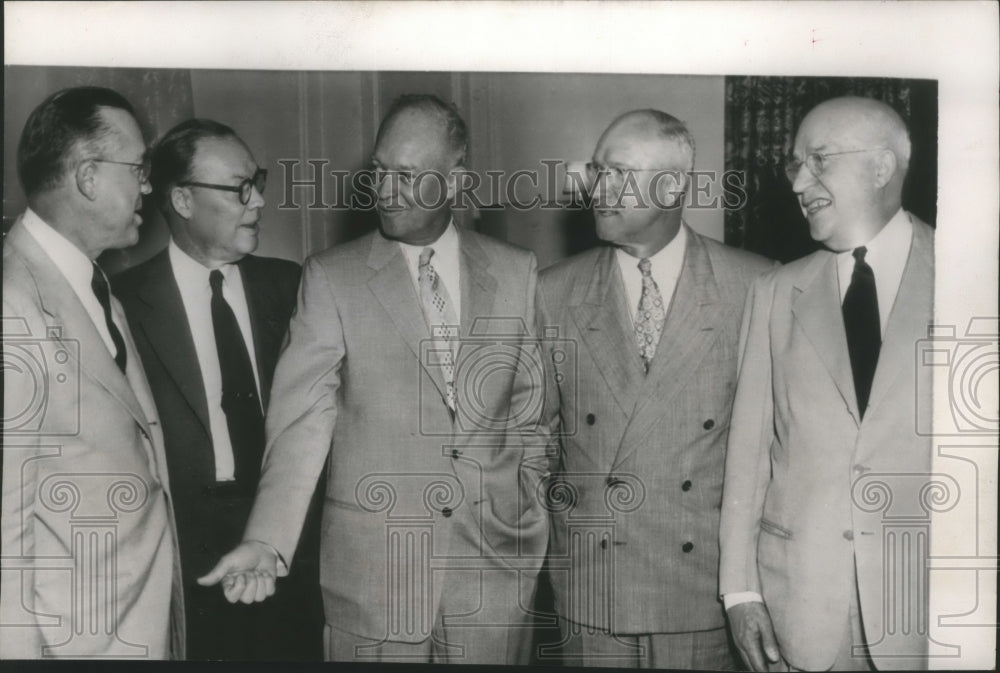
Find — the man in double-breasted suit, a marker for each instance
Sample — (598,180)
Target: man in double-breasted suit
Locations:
(209,188)
(90,565)
(645,409)
(432,530)
(824,432)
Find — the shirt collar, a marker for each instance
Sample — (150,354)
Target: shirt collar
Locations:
(669,256)
(74,264)
(446,245)
(190,271)
(892,242)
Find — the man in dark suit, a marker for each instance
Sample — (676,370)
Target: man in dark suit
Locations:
(209,318)
(645,410)
(824,432)
(90,564)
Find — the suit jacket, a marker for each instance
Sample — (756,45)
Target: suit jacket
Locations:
(209,526)
(808,481)
(86,493)
(412,490)
(636,505)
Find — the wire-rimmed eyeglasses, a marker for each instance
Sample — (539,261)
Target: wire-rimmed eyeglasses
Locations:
(816,162)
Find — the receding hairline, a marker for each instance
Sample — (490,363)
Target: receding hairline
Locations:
(877,117)
(666,127)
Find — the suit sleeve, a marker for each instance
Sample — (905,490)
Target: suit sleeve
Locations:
(20,484)
(301,416)
(748,466)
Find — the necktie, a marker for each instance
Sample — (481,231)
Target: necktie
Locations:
(99,284)
(650,316)
(441,320)
(244,417)
(861,322)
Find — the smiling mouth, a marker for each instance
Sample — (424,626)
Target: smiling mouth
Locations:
(816,205)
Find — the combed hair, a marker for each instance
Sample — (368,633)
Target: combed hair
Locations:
(458,132)
(173,154)
(673,129)
(62,121)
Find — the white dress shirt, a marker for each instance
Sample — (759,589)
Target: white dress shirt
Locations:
(665,268)
(445,262)
(78,270)
(196,295)
(887,254)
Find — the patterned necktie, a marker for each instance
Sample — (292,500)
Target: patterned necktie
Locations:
(441,320)
(99,284)
(861,322)
(650,316)
(244,417)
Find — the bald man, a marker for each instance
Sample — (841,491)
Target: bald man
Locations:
(655,317)
(823,433)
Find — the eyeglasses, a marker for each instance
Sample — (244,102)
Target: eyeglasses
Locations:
(244,189)
(616,174)
(816,162)
(141,170)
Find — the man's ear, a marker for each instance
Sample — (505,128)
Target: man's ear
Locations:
(180,200)
(86,179)
(669,186)
(885,167)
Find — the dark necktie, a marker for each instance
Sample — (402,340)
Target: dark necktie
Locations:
(244,417)
(861,322)
(99,284)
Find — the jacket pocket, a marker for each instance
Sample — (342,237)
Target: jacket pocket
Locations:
(774,529)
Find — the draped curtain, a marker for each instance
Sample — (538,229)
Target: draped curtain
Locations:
(762,115)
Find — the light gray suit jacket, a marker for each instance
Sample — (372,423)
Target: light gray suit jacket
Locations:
(808,481)
(90,564)
(636,505)
(411,490)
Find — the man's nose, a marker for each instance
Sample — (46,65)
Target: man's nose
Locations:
(803,178)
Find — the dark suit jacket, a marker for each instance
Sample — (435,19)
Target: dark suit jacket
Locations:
(640,479)
(209,526)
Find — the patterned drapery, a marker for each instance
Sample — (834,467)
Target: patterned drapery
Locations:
(762,115)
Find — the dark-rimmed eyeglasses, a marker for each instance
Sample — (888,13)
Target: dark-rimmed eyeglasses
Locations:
(141,169)
(816,162)
(244,189)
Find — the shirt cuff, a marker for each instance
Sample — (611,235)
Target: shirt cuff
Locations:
(729,600)
(282,566)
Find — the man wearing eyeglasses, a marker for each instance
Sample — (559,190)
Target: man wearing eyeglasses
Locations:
(645,410)
(824,432)
(209,318)
(90,565)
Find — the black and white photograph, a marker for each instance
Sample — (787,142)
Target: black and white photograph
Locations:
(577,334)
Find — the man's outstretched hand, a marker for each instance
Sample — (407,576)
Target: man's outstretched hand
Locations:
(754,634)
(247,573)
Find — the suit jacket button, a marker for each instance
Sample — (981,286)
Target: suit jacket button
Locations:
(612,480)
(455,453)
(604,543)
(686,486)
(687,547)
(446,512)
(591,419)
(709,424)
(848,534)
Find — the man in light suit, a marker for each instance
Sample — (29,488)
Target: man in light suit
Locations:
(432,530)
(90,564)
(645,410)
(210,190)
(824,423)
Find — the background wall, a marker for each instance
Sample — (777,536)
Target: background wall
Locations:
(516,120)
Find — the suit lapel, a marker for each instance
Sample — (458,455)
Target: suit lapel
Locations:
(265,321)
(392,286)
(70,322)
(478,286)
(688,334)
(817,309)
(909,317)
(605,327)
(164,323)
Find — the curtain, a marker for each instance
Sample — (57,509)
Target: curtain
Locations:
(762,115)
